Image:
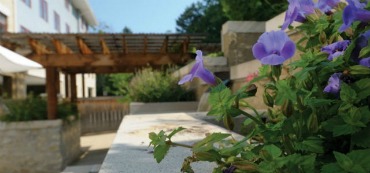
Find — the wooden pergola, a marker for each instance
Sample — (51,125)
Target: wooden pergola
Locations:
(97,53)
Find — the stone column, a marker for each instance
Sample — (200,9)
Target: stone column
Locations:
(237,39)
(19,86)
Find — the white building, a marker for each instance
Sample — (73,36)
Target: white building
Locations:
(49,16)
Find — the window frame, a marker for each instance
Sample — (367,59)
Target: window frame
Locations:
(5,24)
(44,10)
(28,3)
(56,21)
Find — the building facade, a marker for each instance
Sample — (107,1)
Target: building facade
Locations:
(49,16)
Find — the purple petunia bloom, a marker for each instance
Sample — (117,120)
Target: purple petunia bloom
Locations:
(333,86)
(336,49)
(365,62)
(273,48)
(199,71)
(326,5)
(297,11)
(354,11)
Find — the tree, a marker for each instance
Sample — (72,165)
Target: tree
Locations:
(203,17)
(208,16)
(126,30)
(101,28)
(258,10)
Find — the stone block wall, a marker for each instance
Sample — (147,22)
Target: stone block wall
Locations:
(238,38)
(38,146)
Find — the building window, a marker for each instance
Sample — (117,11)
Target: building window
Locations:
(82,23)
(44,10)
(75,12)
(68,30)
(56,21)
(66,2)
(27,2)
(24,29)
(3,23)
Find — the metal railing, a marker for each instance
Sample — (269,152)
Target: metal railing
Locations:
(101,114)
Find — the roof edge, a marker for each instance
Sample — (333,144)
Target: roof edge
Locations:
(86,11)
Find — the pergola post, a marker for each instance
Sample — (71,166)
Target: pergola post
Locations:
(51,90)
(83,85)
(73,88)
(67,85)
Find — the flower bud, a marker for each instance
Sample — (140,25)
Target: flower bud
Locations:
(268,100)
(322,37)
(287,108)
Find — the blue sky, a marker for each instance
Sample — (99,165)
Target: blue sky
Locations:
(141,16)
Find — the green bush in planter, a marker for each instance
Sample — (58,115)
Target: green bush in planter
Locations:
(34,108)
(149,85)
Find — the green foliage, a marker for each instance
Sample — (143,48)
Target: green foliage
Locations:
(35,108)
(251,10)
(306,129)
(149,85)
(208,16)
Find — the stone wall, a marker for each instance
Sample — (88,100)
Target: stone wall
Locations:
(38,146)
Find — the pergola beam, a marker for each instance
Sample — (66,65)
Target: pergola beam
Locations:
(84,49)
(61,48)
(78,60)
(38,47)
(105,48)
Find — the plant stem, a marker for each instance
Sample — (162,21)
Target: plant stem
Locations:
(252,118)
(178,144)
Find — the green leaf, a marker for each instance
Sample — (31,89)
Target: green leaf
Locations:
(332,167)
(359,70)
(314,102)
(210,156)
(272,151)
(285,92)
(175,131)
(362,88)
(157,139)
(353,117)
(321,24)
(362,138)
(311,144)
(235,149)
(365,52)
(347,94)
(344,161)
(207,143)
(160,151)
(361,158)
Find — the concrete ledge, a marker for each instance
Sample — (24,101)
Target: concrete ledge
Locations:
(30,124)
(162,107)
(130,152)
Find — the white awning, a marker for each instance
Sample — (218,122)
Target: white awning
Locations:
(11,62)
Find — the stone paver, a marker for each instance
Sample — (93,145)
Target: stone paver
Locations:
(95,148)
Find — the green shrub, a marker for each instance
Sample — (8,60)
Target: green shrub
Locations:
(149,85)
(35,108)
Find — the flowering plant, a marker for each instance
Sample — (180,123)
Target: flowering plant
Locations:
(318,118)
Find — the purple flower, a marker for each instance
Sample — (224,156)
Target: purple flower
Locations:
(354,11)
(365,62)
(333,86)
(273,48)
(326,5)
(297,11)
(336,49)
(199,71)
(360,43)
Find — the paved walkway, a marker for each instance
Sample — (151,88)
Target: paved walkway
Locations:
(95,148)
